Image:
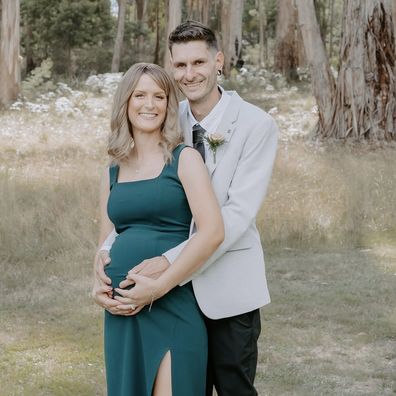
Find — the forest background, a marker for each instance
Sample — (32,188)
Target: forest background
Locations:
(324,69)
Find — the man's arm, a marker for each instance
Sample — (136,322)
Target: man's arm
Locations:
(246,193)
(108,243)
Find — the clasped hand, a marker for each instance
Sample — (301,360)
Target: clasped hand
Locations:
(129,302)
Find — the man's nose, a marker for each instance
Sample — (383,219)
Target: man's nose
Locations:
(190,72)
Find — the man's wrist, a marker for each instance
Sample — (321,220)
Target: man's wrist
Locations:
(165,258)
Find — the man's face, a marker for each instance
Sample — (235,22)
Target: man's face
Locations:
(195,68)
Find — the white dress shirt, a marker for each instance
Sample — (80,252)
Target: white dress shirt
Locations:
(212,121)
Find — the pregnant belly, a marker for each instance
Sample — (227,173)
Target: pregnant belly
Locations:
(133,246)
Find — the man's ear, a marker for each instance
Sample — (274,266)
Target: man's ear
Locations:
(219,60)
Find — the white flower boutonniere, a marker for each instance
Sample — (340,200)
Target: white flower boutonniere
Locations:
(214,140)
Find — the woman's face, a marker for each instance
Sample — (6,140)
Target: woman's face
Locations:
(147,106)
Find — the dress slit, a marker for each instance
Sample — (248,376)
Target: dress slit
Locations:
(157,365)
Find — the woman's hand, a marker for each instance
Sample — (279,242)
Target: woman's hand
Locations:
(145,292)
(102,295)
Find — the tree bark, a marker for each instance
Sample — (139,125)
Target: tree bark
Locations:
(365,97)
(10,74)
(394,23)
(322,79)
(141,10)
(115,63)
(173,19)
(231,32)
(331,28)
(263,43)
(286,52)
(198,10)
(157,35)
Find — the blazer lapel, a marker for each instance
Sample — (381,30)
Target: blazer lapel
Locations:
(185,124)
(226,128)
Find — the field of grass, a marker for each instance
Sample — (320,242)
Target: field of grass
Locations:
(328,227)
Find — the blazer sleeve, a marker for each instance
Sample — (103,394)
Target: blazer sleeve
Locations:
(247,190)
(108,243)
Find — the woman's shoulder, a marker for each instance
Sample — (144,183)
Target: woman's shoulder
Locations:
(190,157)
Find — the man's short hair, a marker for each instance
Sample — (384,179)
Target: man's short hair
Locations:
(193,31)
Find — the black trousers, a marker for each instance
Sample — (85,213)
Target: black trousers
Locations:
(232,358)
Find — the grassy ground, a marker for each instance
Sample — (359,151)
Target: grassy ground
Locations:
(327,224)
(330,329)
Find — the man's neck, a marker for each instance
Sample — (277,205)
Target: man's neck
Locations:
(202,108)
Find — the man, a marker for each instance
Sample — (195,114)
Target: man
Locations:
(231,286)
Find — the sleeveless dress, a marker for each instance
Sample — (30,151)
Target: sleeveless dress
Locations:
(152,216)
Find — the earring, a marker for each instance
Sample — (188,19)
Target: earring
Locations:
(219,72)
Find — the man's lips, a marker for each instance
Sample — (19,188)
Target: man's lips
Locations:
(192,84)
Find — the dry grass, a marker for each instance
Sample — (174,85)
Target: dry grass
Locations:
(329,229)
(330,195)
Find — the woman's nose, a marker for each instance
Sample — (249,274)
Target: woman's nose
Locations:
(149,101)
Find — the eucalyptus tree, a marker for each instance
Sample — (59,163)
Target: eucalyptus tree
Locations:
(362,103)
(9,52)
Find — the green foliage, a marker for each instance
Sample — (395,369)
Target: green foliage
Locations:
(39,80)
(251,28)
(56,28)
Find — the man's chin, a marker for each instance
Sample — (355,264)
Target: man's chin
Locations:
(193,96)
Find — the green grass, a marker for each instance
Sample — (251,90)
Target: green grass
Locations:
(330,329)
(331,326)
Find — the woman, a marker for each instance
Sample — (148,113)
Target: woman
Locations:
(150,194)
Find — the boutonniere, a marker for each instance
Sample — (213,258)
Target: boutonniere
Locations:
(214,140)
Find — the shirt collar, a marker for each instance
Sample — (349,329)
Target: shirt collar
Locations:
(212,120)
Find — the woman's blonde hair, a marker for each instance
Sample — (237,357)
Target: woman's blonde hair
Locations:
(121,135)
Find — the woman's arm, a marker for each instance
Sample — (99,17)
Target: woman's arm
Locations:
(210,233)
(101,292)
(106,226)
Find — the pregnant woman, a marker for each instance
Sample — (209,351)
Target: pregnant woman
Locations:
(151,191)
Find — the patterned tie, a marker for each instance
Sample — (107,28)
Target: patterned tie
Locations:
(198,141)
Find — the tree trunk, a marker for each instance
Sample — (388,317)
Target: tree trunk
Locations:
(157,34)
(286,52)
(198,10)
(322,79)
(173,19)
(115,63)
(331,27)
(365,98)
(10,74)
(394,24)
(231,33)
(263,42)
(141,9)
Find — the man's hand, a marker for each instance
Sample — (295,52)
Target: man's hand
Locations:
(102,259)
(145,291)
(151,268)
(102,295)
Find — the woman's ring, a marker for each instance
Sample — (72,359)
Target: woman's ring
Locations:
(132,306)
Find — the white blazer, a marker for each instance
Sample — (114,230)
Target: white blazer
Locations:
(233,281)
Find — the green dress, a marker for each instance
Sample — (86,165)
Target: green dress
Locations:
(152,216)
